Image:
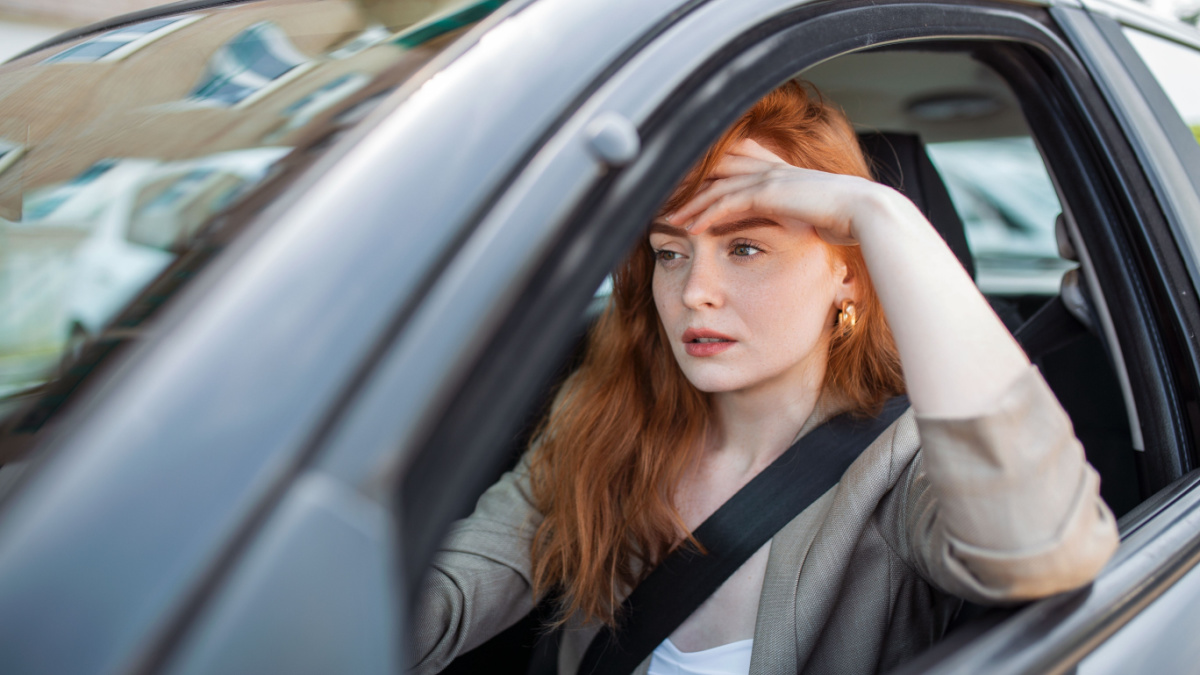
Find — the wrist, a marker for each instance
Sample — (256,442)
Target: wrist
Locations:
(880,209)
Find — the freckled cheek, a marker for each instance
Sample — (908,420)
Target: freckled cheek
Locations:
(787,305)
(667,292)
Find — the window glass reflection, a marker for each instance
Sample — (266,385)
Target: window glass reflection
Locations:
(125,157)
(116,44)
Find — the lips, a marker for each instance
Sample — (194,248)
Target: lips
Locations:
(704,342)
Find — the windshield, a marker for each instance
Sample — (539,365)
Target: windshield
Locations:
(130,157)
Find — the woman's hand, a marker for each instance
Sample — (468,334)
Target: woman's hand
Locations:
(752,180)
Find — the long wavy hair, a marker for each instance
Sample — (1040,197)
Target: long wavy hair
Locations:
(627,423)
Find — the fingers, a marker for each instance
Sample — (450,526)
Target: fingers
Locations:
(748,147)
(722,208)
(706,197)
(749,178)
(733,165)
(746,158)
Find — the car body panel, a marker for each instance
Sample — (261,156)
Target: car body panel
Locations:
(313,594)
(1169,619)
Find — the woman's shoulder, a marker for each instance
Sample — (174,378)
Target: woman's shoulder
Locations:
(882,463)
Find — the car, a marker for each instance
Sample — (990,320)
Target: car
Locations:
(247,462)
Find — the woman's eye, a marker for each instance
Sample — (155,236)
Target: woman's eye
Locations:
(744,250)
(665,255)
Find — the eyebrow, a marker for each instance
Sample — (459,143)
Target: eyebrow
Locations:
(716,230)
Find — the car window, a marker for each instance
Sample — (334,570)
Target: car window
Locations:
(1008,206)
(123,151)
(1002,190)
(1175,66)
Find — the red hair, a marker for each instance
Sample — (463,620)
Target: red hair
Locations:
(628,423)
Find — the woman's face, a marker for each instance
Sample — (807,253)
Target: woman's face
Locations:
(747,302)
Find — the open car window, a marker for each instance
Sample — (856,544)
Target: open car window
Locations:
(1003,195)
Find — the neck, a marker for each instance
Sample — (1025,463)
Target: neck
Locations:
(752,427)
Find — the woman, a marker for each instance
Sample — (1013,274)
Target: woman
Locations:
(746,319)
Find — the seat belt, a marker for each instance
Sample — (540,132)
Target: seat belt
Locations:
(749,519)
(1067,317)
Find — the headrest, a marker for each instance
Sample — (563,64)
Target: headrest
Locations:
(900,161)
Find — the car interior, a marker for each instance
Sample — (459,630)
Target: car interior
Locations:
(940,126)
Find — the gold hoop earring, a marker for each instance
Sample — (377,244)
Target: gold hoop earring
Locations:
(846,318)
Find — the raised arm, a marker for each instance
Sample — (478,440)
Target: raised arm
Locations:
(1004,506)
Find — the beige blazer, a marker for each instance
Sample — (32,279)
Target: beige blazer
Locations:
(996,509)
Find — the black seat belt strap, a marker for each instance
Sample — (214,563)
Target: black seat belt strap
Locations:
(1050,328)
(686,578)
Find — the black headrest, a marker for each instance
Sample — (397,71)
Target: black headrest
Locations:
(900,161)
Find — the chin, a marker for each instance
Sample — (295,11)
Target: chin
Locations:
(714,378)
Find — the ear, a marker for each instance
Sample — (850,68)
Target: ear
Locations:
(846,283)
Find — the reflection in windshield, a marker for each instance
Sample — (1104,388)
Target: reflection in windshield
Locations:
(116,44)
(254,60)
(119,150)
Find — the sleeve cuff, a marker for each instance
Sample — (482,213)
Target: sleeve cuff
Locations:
(1018,513)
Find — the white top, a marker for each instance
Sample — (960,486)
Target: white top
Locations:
(728,659)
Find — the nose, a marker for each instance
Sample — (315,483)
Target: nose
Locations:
(704,286)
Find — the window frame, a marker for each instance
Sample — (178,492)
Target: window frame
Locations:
(1153,136)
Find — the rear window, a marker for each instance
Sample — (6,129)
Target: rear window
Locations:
(1008,205)
(131,156)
